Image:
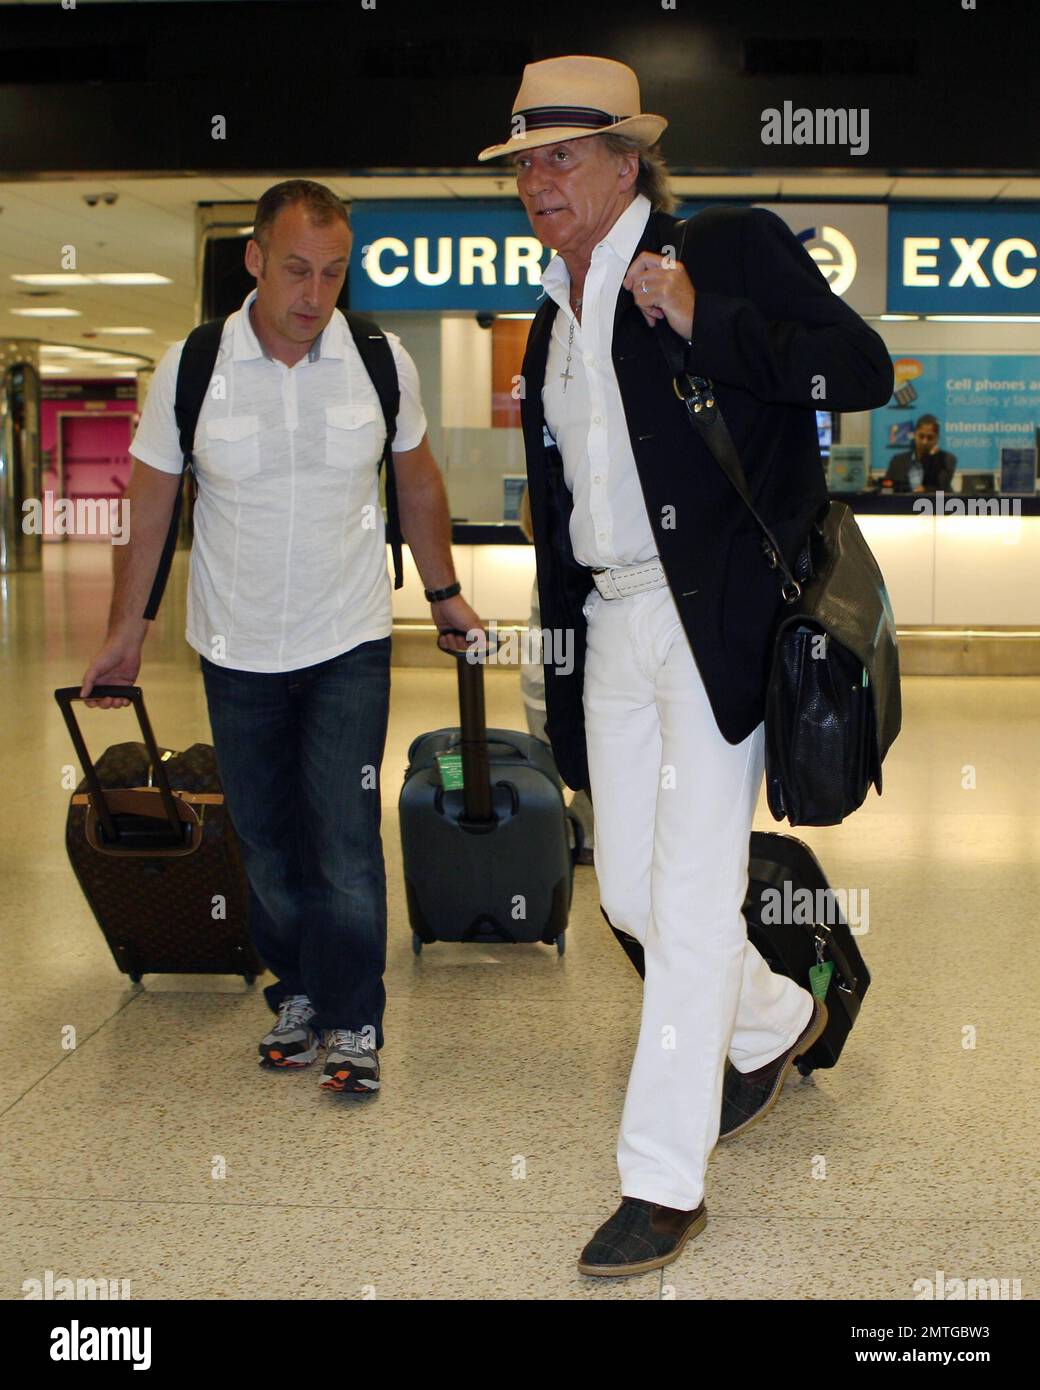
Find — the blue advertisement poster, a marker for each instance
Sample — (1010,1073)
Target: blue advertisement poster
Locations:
(982,403)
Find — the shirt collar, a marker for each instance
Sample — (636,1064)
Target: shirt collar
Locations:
(622,239)
(245,344)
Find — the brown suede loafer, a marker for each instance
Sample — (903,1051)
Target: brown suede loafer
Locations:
(640,1236)
(747,1096)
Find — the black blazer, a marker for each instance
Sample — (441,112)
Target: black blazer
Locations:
(778,345)
(938,470)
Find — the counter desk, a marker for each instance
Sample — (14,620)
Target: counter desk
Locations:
(963,574)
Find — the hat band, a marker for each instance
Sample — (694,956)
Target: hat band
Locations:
(542,117)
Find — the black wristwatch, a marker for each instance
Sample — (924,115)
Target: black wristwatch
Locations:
(435,595)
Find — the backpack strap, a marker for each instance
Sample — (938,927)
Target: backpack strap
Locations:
(198,359)
(378,360)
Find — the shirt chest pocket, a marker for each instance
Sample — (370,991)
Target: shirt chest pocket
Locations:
(354,437)
(232,447)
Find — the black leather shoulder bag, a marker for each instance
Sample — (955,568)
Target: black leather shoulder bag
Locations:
(832,702)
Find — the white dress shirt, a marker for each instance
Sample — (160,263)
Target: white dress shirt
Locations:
(288,564)
(609,524)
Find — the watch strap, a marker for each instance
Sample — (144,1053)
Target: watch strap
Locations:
(435,595)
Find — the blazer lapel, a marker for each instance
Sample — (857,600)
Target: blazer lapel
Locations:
(532,369)
(536,353)
(656,232)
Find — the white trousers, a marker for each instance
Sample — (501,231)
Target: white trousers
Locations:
(674,804)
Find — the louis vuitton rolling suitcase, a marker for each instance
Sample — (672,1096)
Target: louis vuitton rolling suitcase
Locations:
(152,845)
(492,860)
(796,923)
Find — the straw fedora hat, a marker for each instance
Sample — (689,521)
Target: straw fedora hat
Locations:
(564,98)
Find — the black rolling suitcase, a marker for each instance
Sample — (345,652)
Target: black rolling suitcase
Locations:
(153,848)
(492,861)
(794,933)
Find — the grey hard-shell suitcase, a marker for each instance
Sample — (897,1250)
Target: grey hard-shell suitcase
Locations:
(494,860)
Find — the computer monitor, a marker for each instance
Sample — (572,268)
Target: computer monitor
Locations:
(828,430)
(977,482)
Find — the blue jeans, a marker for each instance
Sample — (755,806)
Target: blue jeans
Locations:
(299,754)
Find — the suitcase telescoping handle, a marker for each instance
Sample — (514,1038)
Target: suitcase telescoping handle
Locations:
(476,771)
(65,698)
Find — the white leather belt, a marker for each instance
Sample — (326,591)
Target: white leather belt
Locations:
(620,581)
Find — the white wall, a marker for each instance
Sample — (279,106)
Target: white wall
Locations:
(465,373)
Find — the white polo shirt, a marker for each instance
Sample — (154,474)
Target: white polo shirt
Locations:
(288,564)
(609,524)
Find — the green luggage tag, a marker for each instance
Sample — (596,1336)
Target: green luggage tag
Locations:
(820,978)
(820,973)
(449,765)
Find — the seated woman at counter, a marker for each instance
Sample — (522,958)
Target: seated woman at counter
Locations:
(925,467)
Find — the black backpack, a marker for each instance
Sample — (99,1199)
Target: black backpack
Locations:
(193,376)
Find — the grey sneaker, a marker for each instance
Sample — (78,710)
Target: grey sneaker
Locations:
(351,1062)
(292,1042)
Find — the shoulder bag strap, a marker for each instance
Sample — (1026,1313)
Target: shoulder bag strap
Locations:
(378,359)
(698,396)
(198,359)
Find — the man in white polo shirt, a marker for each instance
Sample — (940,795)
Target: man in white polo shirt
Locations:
(289,608)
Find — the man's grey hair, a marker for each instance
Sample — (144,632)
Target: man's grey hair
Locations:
(653,179)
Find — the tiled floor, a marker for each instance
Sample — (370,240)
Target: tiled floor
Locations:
(489,1158)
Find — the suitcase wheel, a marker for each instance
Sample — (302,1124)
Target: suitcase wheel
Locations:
(135,976)
(417,943)
(249,979)
(561,944)
(806,1068)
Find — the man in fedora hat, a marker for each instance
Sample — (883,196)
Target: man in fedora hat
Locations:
(645,550)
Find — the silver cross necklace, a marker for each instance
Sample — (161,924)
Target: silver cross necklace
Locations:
(566,375)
